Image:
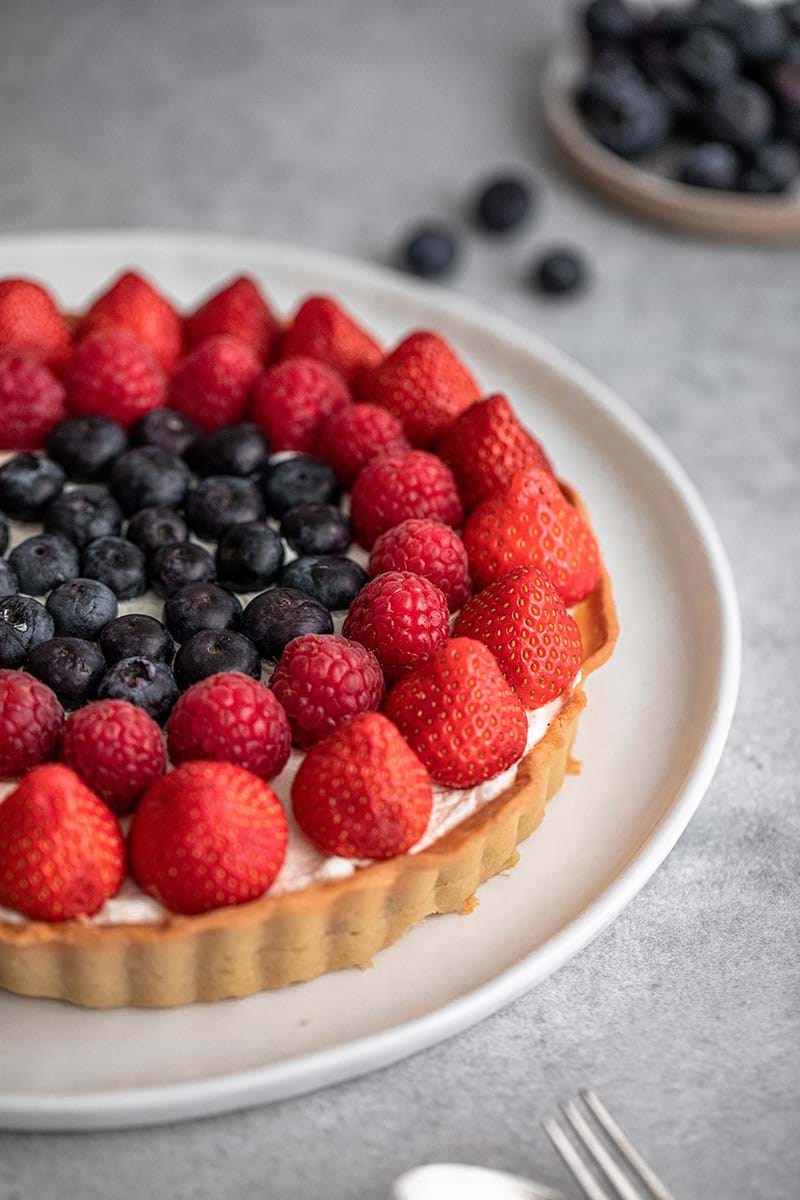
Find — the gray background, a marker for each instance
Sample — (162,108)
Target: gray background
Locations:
(334,124)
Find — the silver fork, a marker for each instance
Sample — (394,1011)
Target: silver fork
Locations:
(595,1140)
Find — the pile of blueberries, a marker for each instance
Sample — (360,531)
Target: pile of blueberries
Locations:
(171,488)
(715,81)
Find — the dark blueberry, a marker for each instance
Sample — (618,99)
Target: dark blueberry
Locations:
(141,681)
(610,21)
(657,61)
(670,22)
(9,580)
(740,114)
(117,563)
(167,429)
(707,58)
(249,557)
(784,84)
(560,271)
(317,529)
(136,635)
(335,582)
(86,446)
(430,251)
(173,567)
(28,483)
(298,480)
(83,514)
(630,120)
(504,204)
(5,533)
(148,476)
(715,14)
(761,35)
(790,12)
(80,608)
(710,165)
(44,561)
(275,617)
(71,666)
(221,501)
(201,606)
(24,624)
(772,169)
(152,528)
(211,651)
(232,450)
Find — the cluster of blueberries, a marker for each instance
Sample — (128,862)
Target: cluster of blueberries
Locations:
(168,482)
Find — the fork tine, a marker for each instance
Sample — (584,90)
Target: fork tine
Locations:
(574,1162)
(624,1145)
(624,1189)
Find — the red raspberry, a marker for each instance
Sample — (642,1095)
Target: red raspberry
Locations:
(324,681)
(31,402)
(401,618)
(62,854)
(133,305)
(429,548)
(30,322)
(116,748)
(238,310)
(351,438)
(291,400)
(230,718)
(111,374)
(322,330)
(30,722)
(207,835)
(391,489)
(214,383)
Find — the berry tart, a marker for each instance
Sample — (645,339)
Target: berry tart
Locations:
(293,638)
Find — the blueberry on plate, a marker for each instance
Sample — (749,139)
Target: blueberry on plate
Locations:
(335,582)
(44,561)
(630,120)
(710,165)
(167,430)
(136,635)
(275,617)
(201,606)
(141,681)
(232,450)
(657,62)
(608,21)
(772,169)
(152,528)
(70,666)
(761,34)
(148,476)
(560,271)
(298,480)
(86,446)
(740,114)
(28,483)
(117,563)
(503,204)
(173,566)
(430,251)
(24,625)
(249,557)
(714,14)
(81,608)
(707,58)
(317,529)
(221,501)
(83,514)
(783,81)
(211,651)
(5,533)
(9,580)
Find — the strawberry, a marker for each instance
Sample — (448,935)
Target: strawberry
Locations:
(62,854)
(485,447)
(31,402)
(214,382)
(524,622)
(133,305)
(238,310)
(532,523)
(31,323)
(459,715)
(323,330)
(362,792)
(423,383)
(293,398)
(111,374)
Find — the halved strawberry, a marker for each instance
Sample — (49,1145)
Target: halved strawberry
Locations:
(322,329)
(135,306)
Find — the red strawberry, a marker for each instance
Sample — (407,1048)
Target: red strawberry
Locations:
(323,681)
(485,447)
(394,487)
(111,374)
(423,383)
(207,835)
(459,715)
(30,722)
(322,330)
(238,310)
(116,749)
(30,322)
(62,854)
(532,523)
(31,402)
(214,383)
(133,305)
(362,792)
(293,398)
(353,436)
(401,618)
(428,548)
(536,641)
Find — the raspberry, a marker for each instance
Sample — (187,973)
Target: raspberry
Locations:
(292,399)
(30,722)
(324,681)
(110,374)
(213,384)
(322,330)
(391,489)
(401,618)
(133,305)
(352,437)
(240,311)
(31,402)
(116,749)
(230,718)
(30,322)
(429,548)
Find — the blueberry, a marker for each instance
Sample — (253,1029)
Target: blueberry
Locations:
(430,251)
(740,114)
(317,529)
(275,617)
(44,561)
(9,580)
(707,58)
(658,67)
(24,625)
(772,169)
(172,567)
(201,606)
(715,14)
(560,271)
(232,450)
(167,429)
(630,120)
(221,501)
(211,651)
(86,446)
(710,165)
(761,35)
(117,563)
(141,681)
(80,608)
(152,528)
(70,666)
(503,204)
(5,533)
(136,636)
(148,476)
(298,480)
(249,557)
(335,582)
(28,483)
(82,515)
(784,85)
(610,21)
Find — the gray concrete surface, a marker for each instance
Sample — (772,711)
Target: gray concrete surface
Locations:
(334,124)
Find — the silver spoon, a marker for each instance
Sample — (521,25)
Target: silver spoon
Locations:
(443,1181)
